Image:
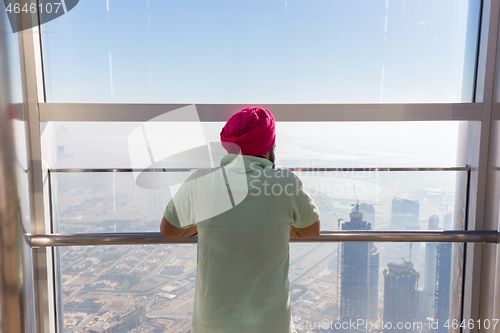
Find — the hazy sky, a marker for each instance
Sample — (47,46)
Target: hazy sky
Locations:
(299,144)
(295,51)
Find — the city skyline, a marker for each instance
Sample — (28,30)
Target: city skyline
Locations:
(94,276)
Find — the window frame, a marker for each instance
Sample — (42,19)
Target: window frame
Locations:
(475,138)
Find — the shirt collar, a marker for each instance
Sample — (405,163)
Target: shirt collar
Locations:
(251,162)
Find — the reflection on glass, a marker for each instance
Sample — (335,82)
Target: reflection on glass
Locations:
(160,51)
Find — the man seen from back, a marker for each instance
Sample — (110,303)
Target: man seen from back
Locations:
(244,214)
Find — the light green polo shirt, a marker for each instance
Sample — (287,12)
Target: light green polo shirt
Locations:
(243,252)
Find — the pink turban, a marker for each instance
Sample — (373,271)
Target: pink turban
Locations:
(251,130)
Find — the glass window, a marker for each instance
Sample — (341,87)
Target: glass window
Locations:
(88,202)
(124,287)
(293,51)
(298,144)
(150,288)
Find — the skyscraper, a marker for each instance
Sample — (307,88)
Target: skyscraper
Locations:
(430,278)
(433,222)
(430,270)
(368,213)
(359,274)
(443,275)
(373,268)
(400,295)
(405,214)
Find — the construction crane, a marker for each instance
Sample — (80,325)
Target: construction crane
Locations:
(356,204)
(446,207)
(339,219)
(411,244)
(356,200)
(92,322)
(112,318)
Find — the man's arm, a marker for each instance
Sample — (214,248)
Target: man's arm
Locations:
(309,232)
(169,231)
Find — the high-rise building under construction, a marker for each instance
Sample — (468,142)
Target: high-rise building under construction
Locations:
(359,274)
(400,296)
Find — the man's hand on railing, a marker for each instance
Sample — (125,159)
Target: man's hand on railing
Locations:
(309,232)
(169,231)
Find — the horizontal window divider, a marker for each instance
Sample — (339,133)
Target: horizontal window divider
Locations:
(484,236)
(297,169)
(124,112)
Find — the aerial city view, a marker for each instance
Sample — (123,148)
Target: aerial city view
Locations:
(150,288)
(385,111)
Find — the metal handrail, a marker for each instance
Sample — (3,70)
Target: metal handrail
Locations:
(488,236)
(297,169)
(484,236)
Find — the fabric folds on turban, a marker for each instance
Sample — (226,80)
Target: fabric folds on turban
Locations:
(251,131)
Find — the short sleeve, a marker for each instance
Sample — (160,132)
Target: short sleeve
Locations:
(172,217)
(305,211)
